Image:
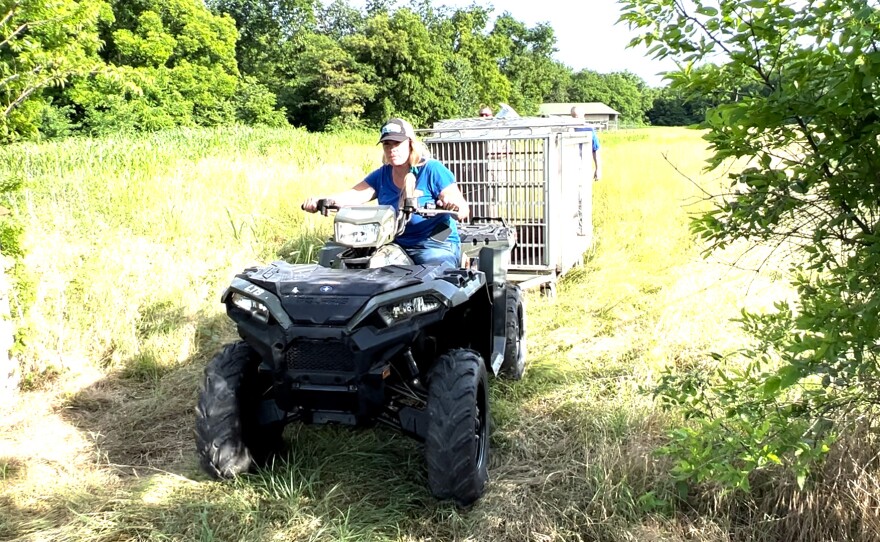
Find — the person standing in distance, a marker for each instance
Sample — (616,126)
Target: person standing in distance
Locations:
(593,145)
(427,240)
(578,113)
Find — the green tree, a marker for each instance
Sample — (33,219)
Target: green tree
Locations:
(277,49)
(525,58)
(339,20)
(329,87)
(589,86)
(670,109)
(255,104)
(411,73)
(477,55)
(805,126)
(676,107)
(271,35)
(624,92)
(43,45)
(170,62)
(630,96)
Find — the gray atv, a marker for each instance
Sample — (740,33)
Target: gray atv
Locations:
(365,337)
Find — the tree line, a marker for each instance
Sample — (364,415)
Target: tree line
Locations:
(103,66)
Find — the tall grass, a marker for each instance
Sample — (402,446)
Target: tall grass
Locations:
(131,242)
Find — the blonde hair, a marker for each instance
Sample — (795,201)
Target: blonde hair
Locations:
(418,152)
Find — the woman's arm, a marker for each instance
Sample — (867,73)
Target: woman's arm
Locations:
(357,195)
(452,199)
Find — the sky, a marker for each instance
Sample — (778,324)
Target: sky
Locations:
(586,34)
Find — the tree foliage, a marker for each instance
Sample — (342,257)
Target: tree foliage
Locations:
(100,66)
(671,108)
(339,20)
(624,92)
(803,119)
(271,34)
(43,45)
(525,59)
(169,62)
(328,86)
(475,65)
(409,68)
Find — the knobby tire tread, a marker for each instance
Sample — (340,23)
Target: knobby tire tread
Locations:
(456,381)
(228,439)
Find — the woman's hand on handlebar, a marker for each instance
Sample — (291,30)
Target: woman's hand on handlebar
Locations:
(310,205)
(451,206)
(319,205)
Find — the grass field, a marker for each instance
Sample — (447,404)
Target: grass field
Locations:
(130,243)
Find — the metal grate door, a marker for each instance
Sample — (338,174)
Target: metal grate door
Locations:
(506,178)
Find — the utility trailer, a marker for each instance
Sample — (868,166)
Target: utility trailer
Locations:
(536,174)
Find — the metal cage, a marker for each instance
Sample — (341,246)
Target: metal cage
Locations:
(533,173)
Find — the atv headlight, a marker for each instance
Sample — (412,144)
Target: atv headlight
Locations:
(257,309)
(365,225)
(357,235)
(403,310)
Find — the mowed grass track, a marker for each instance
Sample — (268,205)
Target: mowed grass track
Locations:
(131,242)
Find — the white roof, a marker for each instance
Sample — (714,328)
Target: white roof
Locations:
(478,127)
(589,108)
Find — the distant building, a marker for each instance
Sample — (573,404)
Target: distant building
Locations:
(596,113)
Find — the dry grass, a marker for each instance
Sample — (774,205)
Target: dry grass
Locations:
(106,452)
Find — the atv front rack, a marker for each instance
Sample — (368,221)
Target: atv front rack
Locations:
(479,235)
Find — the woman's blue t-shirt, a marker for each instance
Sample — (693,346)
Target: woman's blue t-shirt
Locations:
(431,178)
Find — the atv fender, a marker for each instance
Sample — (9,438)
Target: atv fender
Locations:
(493,263)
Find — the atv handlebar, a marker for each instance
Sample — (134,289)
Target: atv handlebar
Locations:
(324,206)
(411,207)
(429,212)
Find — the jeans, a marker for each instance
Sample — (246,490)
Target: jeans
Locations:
(431,251)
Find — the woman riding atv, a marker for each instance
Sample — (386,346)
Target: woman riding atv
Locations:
(427,240)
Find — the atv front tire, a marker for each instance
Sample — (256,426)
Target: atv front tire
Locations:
(457,443)
(229,437)
(514,364)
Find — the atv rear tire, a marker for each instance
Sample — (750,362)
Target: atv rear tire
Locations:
(514,364)
(229,437)
(457,443)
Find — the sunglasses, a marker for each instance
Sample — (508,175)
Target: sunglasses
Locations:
(485,114)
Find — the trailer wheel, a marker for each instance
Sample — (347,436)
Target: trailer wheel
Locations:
(514,364)
(229,436)
(457,442)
